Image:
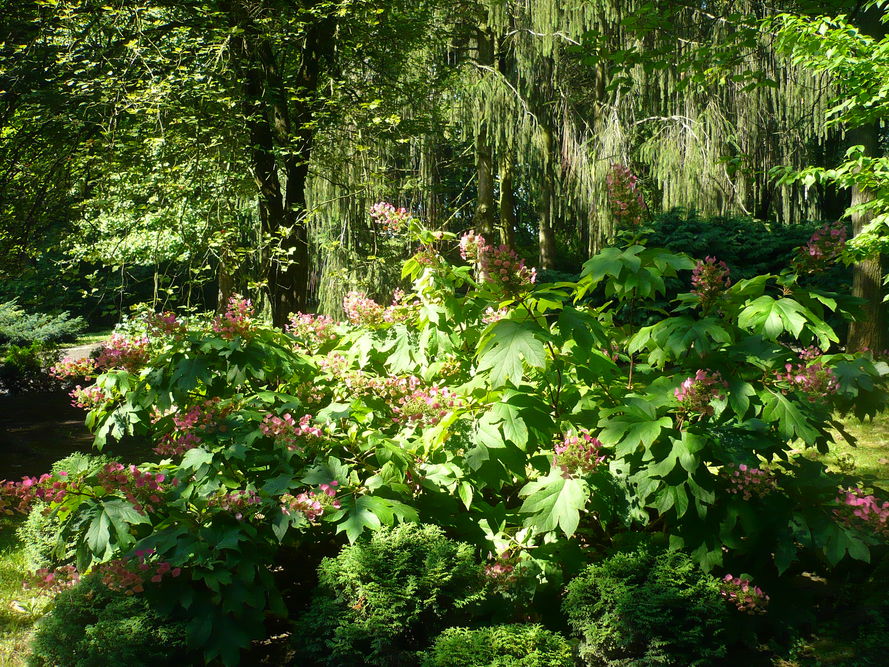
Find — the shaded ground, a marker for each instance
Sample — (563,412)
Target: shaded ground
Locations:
(37,429)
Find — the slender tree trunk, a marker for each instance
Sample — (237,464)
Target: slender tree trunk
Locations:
(507,203)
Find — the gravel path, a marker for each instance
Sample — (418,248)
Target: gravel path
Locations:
(81,351)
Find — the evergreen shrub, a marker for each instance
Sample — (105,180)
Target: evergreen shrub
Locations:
(512,645)
(380,600)
(92,626)
(20,328)
(647,607)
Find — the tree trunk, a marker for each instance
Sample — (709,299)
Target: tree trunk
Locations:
(868,331)
(545,234)
(484,161)
(276,122)
(507,203)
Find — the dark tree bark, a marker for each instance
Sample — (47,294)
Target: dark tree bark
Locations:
(279,115)
(485,210)
(868,331)
(507,203)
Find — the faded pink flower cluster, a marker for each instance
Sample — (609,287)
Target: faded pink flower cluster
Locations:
(317,329)
(709,279)
(88,398)
(18,497)
(499,266)
(129,576)
(863,511)
(166,324)
(71,369)
(237,321)
(311,394)
(501,573)
(696,393)
(490,315)
(240,503)
(427,256)
(333,363)
(312,504)
(390,218)
(824,247)
(749,482)
(624,196)
(424,406)
(53,581)
(285,431)
(130,354)
(143,490)
(748,598)
(816,381)
(191,425)
(362,310)
(578,454)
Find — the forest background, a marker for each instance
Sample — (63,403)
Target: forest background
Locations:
(176,153)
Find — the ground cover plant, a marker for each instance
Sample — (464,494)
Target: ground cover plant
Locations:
(533,422)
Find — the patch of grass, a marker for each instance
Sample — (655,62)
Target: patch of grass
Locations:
(869,457)
(19,608)
(92,338)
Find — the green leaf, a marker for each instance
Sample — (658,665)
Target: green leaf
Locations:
(359,516)
(503,348)
(98,535)
(513,426)
(554,502)
(792,423)
(195,458)
(188,372)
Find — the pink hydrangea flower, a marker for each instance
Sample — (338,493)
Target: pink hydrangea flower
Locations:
(696,393)
(625,199)
(580,453)
(740,592)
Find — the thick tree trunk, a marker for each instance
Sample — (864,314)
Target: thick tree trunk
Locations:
(507,203)
(276,122)
(868,331)
(545,235)
(485,210)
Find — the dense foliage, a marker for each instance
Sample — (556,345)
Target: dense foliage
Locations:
(20,328)
(511,414)
(648,607)
(381,600)
(91,626)
(513,645)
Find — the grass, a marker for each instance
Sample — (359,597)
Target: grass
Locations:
(19,608)
(869,457)
(92,338)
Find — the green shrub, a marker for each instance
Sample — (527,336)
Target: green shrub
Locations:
(647,607)
(749,247)
(39,534)
(20,328)
(49,542)
(381,600)
(25,368)
(514,645)
(91,626)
